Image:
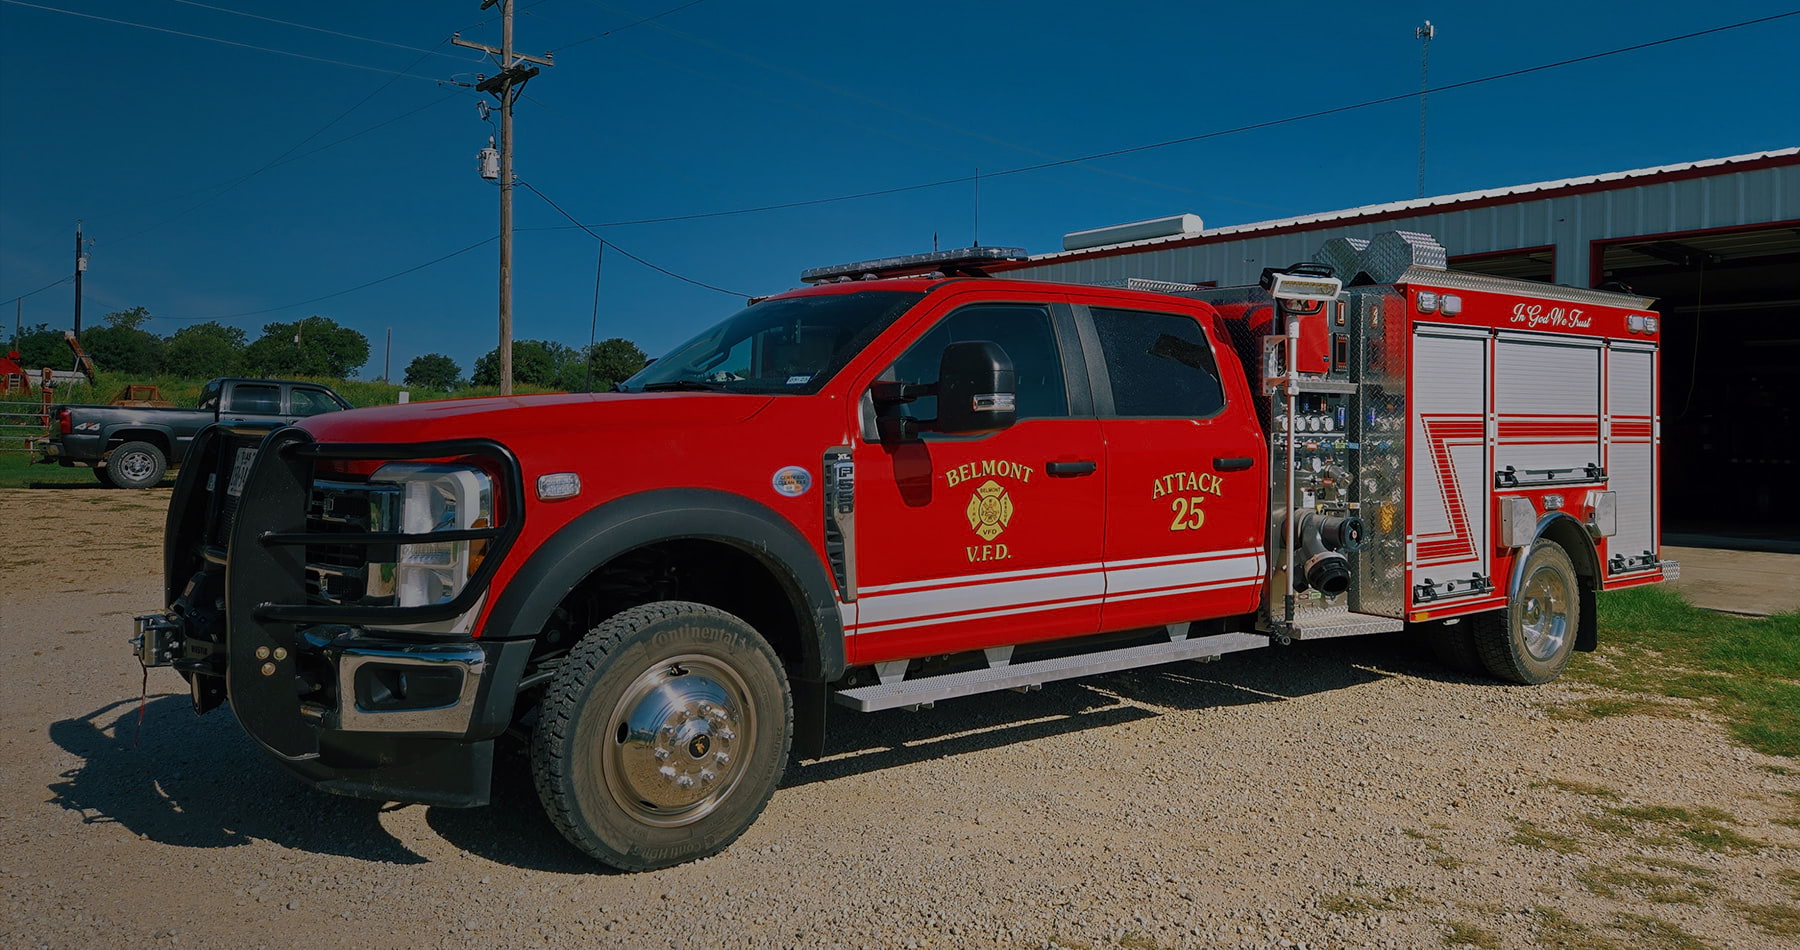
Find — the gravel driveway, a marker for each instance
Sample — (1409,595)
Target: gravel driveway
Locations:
(1325,795)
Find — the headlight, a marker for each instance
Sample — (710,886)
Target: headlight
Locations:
(433,498)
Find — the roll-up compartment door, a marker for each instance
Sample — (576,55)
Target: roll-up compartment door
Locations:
(1631,462)
(1547,397)
(1450,466)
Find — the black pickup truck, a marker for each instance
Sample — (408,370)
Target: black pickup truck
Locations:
(132,447)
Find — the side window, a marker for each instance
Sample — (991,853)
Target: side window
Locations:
(209,397)
(253,397)
(309,402)
(1161,364)
(1024,331)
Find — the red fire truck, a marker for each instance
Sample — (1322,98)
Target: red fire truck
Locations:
(907,482)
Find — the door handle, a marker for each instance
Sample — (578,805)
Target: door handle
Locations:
(1069,469)
(1236,464)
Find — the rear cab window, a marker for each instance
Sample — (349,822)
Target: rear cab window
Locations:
(255,398)
(1159,365)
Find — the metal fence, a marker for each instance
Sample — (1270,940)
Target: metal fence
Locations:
(23,424)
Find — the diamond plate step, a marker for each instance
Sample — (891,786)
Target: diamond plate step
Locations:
(1320,623)
(930,689)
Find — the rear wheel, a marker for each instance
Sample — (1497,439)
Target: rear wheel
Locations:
(135,465)
(1530,641)
(662,736)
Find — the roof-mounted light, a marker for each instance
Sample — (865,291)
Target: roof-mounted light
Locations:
(963,260)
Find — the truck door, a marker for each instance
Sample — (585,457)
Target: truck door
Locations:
(1187,480)
(968,542)
(251,402)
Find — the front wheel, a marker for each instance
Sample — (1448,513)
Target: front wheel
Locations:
(662,736)
(1530,641)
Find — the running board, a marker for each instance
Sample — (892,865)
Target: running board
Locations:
(929,689)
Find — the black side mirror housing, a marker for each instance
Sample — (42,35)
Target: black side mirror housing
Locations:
(977,389)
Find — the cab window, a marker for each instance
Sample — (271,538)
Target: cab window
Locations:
(310,402)
(209,396)
(1024,331)
(1161,365)
(249,397)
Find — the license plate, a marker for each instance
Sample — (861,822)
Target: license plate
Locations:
(240,470)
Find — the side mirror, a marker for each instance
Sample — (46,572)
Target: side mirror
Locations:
(977,389)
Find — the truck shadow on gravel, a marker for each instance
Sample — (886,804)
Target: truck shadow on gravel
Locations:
(204,784)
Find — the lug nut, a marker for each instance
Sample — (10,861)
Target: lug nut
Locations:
(268,669)
(281,653)
(262,653)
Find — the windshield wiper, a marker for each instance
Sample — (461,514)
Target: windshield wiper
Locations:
(694,385)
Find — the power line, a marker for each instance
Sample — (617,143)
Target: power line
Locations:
(659,269)
(284,159)
(55,283)
(215,39)
(348,290)
(319,29)
(1129,150)
(638,22)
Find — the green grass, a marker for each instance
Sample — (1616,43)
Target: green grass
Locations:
(1532,836)
(1782,920)
(1465,934)
(1654,643)
(16,471)
(1609,881)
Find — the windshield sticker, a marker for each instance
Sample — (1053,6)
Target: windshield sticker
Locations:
(792,481)
(799,380)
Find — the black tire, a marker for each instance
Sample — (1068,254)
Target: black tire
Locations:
(135,465)
(1452,645)
(672,683)
(101,476)
(1531,639)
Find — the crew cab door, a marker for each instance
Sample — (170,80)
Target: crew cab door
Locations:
(1187,479)
(251,402)
(966,542)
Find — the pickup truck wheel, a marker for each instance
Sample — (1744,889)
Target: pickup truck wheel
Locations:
(135,465)
(1531,639)
(662,736)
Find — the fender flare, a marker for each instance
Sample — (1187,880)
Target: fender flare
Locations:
(580,547)
(171,454)
(1572,536)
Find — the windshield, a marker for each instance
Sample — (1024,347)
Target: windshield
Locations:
(790,345)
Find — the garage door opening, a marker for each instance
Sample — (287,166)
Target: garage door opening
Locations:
(1730,305)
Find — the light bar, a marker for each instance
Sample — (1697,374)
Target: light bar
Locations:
(1303,287)
(913,264)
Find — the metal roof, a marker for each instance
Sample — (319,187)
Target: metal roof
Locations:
(1441,203)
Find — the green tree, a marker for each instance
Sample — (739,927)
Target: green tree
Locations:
(123,345)
(315,346)
(433,371)
(608,362)
(41,346)
(535,363)
(204,350)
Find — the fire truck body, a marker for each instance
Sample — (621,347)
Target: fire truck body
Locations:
(885,492)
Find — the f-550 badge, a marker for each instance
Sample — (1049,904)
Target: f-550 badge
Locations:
(990,510)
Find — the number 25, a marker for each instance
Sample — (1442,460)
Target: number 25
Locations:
(1188,514)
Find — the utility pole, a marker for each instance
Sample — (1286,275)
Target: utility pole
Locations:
(80,268)
(1425,33)
(387,353)
(505,86)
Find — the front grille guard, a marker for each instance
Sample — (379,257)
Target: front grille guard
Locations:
(282,477)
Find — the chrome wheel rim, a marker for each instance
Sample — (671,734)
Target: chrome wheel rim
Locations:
(137,466)
(678,741)
(1544,613)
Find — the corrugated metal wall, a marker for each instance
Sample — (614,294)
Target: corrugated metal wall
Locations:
(1569,222)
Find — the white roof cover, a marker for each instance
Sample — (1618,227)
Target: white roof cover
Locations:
(1425,204)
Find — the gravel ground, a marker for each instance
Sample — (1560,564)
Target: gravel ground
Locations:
(1323,795)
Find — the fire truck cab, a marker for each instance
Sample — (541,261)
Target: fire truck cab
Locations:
(908,482)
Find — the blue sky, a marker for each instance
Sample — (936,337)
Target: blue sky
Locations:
(728,104)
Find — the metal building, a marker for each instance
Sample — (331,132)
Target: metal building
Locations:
(1716,241)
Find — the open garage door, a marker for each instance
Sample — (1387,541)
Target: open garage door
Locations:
(1730,303)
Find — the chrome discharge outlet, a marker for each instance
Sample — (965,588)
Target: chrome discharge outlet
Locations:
(1322,539)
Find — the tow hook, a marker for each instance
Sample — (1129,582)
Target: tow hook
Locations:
(157,641)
